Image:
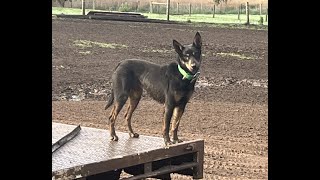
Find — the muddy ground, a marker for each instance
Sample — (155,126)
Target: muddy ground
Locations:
(229,109)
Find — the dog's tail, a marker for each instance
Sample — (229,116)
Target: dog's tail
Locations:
(110,100)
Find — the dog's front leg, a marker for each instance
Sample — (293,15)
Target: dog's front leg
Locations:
(177,114)
(166,123)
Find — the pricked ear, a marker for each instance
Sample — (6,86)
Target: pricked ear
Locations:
(197,42)
(178,47)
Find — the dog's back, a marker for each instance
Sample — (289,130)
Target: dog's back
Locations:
(133,74)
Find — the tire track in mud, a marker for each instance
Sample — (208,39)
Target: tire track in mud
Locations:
(230,157)
(227,156)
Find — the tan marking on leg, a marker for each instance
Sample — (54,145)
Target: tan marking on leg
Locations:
(177,114)
(134,99)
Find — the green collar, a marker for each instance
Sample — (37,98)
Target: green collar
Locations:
(187,75)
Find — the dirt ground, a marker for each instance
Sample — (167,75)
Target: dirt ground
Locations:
(229,109)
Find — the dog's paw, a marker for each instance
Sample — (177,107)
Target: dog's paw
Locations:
(168,143)
(177,141)
(134,135)
(114,138)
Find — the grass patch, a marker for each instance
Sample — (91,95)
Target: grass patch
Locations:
(69,11)
(204,18)
(85,52)
(240,56)
(207,18)
(86,44)
(158,50)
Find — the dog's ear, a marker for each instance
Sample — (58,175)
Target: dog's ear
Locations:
(197,42)
(178,47)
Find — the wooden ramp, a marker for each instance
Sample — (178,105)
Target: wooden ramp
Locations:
(116,16)
(91,155)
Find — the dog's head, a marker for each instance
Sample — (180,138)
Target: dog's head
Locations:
(189,56)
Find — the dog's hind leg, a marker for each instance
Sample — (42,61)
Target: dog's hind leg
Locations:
(115,111)
(134,98)
(177,114)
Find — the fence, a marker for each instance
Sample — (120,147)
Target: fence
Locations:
(176,7)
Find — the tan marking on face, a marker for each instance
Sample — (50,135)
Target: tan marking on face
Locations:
(189,65)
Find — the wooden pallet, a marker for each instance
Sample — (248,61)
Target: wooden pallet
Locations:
(91,155)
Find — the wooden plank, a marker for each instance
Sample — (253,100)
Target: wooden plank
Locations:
(118,18)
(159,3)
(131,160)
(116,13)
(164,170)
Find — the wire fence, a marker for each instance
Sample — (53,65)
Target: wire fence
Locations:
(176,7)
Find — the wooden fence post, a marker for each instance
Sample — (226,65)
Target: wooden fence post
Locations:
(177,7)
(214,11)
(247,13)
(267,16)
(83,7)
(168,9)
(260,9)
(189,9)
(239,10)
(151,7)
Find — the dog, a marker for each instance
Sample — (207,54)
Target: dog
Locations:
(171,85)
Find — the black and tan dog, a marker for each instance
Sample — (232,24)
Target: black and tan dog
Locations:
(171,85)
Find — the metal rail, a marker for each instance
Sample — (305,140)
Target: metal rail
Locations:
(66,138)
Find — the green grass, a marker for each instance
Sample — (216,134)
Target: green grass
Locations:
(69,11)
(207,18)
(240,56)
(194,18)
(85,44)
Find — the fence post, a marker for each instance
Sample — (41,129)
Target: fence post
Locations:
(151,7)
(189,9)
(201,7)
(214,10)
(93,4)
(239,10)
(247,13)
(83,7)
(260,9)
(168,9)
(177,7)
(267,16)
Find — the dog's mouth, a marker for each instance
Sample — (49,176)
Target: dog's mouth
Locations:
(192,69)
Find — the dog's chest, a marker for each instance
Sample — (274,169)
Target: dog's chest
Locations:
(181,91)
(182,95)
